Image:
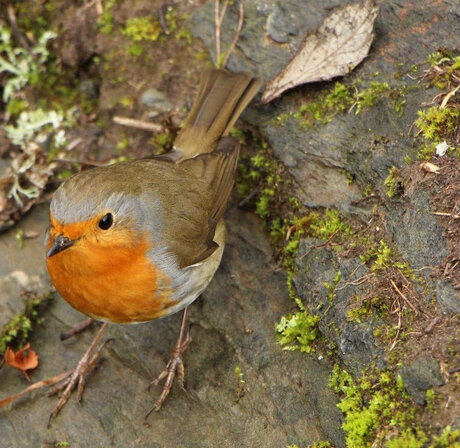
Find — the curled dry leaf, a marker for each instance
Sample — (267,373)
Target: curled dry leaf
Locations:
(334,49)
(21,360)
(430,167)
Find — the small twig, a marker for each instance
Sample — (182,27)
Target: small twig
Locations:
(319,245)
(138,124)
(448,270)
(397,331)
(446,214)
(430,327)
(448,97)
(237,34)
(250,195)
(162,19)
(14,27)
(357,282)
(219,18)
(404,297)
(365,198)
(99,8)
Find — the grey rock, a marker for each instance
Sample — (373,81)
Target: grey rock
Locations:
(355,342)
(281,24)
(447,297)
(155,99)
(419,376)
(417,232)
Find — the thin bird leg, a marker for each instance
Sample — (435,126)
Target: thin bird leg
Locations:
(78,376)
(174,367)
(79,328)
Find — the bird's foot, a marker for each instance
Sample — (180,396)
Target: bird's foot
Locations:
(77,377)
(175,367)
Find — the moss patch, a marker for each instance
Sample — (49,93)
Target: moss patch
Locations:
(16,333)
(346,98)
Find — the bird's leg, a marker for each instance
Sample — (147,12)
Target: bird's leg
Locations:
(78,376)
(79,328)
(175,365)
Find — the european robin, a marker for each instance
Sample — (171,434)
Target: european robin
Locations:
(140,240)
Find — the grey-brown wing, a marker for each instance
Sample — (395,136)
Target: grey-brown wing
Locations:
(204,186)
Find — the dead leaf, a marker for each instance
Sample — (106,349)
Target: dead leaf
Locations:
(334,49)
(22,361)
(430,167)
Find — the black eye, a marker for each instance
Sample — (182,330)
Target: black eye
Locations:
(106,221)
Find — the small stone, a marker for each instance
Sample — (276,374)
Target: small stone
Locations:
(419,376)
(447,297)
(155,99)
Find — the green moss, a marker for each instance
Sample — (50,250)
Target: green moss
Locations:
(106,20)
(163,141)
(142,28)
(379,413)
(437,123)
(371,95)
(297,331)
(447,439)
(373,407)
(16,332)
(391,182)
(343,98)
(15,106)
(262,173)
(382,257)
(329,224)
(321,444)
(408,440)
(326,107)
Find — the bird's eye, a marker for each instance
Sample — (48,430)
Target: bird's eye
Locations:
(106,221)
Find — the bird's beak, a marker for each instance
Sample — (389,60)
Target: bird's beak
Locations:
(59,244)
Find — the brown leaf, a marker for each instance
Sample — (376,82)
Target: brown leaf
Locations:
(21,360)
(334,49)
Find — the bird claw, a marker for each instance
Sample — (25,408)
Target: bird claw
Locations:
(174,368)
(77,378)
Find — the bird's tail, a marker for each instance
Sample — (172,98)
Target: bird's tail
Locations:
(222,97)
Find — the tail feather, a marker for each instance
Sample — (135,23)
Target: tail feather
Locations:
(222,97)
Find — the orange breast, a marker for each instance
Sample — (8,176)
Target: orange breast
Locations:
(118,284)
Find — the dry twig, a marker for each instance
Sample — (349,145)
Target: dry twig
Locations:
(138,124)
(219,15)
(404,297)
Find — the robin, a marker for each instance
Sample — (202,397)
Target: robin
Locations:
(141,240)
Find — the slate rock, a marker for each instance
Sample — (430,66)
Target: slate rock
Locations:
(281,24)
(155,99)
(447,297)
(318,265)
(419,376)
